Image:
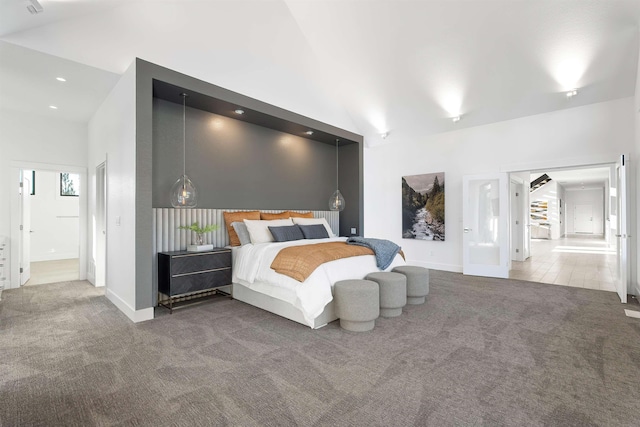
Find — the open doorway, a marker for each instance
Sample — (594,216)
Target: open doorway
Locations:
(48,221)
(569,223)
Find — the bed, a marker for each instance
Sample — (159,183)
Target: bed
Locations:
(309,302)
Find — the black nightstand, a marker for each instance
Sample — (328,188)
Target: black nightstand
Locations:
(185,275)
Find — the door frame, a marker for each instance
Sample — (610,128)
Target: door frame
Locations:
(521,213)
(100,278)
(579,163)
(15,203)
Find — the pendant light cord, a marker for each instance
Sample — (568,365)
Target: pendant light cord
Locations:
(184,133)
(337,182)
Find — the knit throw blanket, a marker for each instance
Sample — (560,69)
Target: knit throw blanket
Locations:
(385,250)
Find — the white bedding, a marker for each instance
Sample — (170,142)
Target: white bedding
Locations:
(252,268)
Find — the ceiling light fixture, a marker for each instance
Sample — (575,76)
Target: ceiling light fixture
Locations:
(239,111)
(572,93)
(456,119)
(61,79)
(309,132)
(384,135)
(53,107)
(183,192)
(336,202)
(34,8)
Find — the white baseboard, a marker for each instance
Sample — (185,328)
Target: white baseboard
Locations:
(134,315)
(436,266)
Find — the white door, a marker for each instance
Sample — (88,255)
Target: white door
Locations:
(622,234)
(583,218)
(25,230)
(485,207)
(101,225)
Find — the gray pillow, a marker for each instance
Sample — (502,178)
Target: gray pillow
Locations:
(242,232)
(315,231)
(286,233)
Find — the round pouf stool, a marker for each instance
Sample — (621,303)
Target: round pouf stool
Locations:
(393,292)
(357,304)
(417,283)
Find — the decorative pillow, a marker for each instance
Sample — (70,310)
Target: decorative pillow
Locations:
(315,231)
(242,232)
(293,214)
(269,216)
(313,221)
(231,217)
(259,230)
(287,233)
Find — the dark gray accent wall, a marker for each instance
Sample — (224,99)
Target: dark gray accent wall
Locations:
(238,165)
(146,74)
(351,188)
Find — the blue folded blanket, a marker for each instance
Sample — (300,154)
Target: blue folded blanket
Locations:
(385,250)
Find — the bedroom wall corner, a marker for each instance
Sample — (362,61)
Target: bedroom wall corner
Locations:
(112,133)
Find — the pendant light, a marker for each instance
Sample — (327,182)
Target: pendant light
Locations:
(183,192)
(336,202)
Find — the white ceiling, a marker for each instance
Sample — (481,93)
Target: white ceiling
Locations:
(369,66)
(578,178)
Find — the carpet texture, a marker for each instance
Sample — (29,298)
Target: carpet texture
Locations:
(478,352)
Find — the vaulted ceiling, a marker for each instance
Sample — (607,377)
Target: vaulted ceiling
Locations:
(404,67)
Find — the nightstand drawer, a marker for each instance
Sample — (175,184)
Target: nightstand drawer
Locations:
(190,263)
(192,282)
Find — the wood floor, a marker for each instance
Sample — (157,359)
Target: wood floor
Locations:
(62,270)
(578,261)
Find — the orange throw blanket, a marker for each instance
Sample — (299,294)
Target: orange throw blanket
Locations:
(299,262)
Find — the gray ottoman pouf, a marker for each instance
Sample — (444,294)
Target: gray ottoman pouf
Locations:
(417,282)
(393,292)
(357,304)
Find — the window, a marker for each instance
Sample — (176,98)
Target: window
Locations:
(69,184)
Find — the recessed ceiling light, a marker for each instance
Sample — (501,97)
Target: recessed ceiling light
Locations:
(309,132)
(239,111)
(53,107)
(61,79)
(572,93)
(456,119)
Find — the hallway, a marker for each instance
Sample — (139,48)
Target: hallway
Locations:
(582,261)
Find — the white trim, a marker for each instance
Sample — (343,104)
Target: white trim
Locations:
(55,256)
(135,316)
(637,290)
(560,164)
(454,268)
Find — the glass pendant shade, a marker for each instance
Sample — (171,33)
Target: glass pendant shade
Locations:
(184,194)
(336,202)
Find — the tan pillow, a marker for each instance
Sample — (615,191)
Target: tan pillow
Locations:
(300,215)
(231,217)
(270,216)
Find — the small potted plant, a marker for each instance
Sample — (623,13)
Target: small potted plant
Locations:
(199,244)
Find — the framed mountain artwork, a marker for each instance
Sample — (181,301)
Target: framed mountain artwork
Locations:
(423,206)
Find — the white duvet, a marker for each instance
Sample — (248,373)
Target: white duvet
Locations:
(252,268)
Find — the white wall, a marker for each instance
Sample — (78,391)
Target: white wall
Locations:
(588,196)
(590,134)
(37,139)
(112,137)
(636,167)
(55,220)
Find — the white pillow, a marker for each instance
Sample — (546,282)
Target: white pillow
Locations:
(259,229)
(312,221)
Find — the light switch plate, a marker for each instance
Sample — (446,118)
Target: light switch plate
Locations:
(118,221)
(354,230)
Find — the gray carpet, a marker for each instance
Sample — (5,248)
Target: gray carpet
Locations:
(479,352)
